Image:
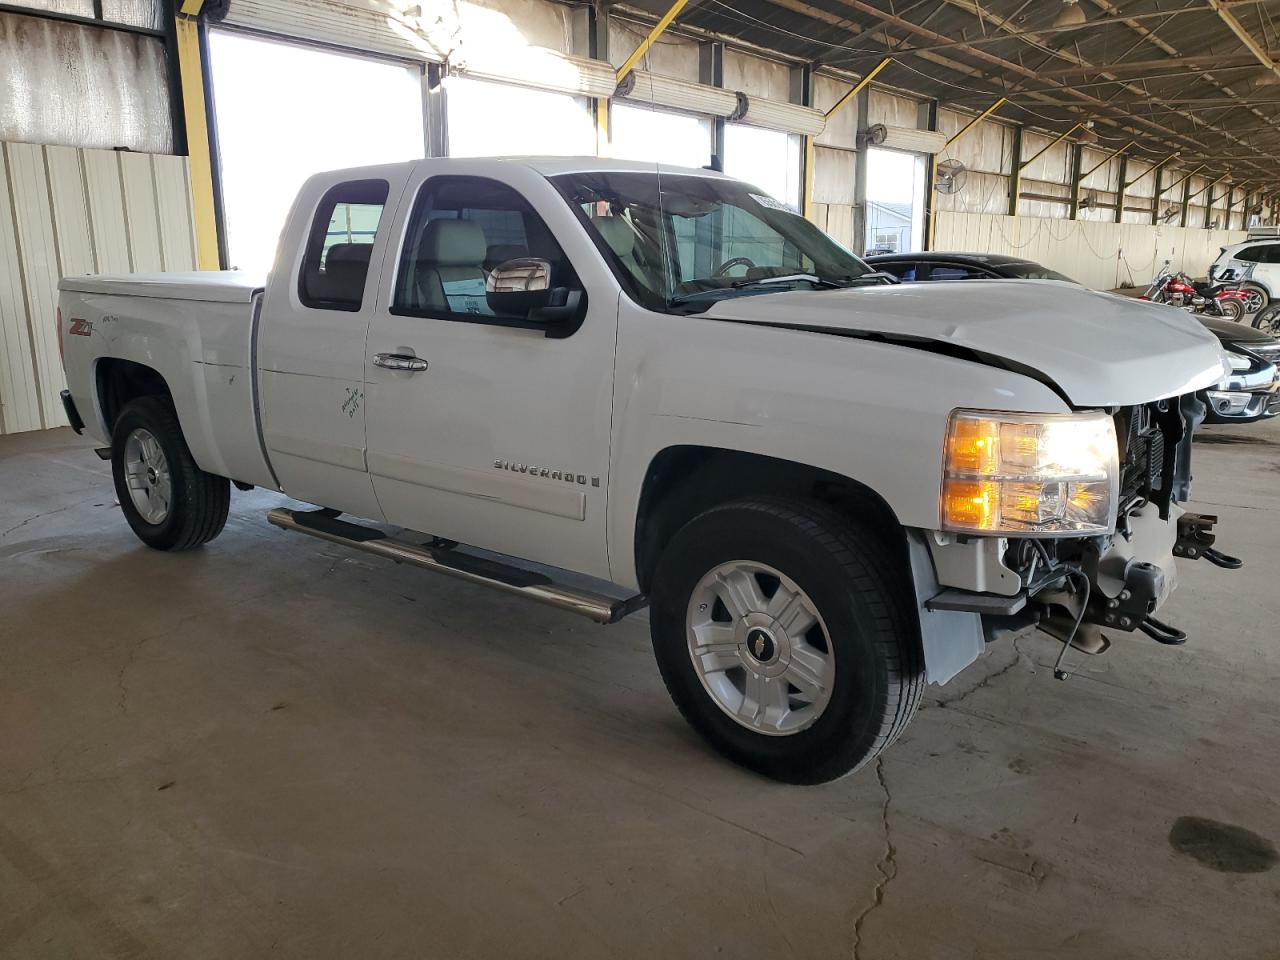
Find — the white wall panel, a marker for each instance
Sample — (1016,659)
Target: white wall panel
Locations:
(842,128)
(756,76)
(33,224)
(890,109)
(1102,254)
(74,212)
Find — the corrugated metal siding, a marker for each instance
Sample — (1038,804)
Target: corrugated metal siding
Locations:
(65,211)
(1102,255)
(82,86)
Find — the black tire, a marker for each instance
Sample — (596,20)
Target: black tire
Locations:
(1231,309)
(863,600)
(1269,320)
(199,502)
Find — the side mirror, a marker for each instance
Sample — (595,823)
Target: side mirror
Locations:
(518,286)
(523,286)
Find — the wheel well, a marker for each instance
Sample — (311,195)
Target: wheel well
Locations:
(684,481)
(120,381)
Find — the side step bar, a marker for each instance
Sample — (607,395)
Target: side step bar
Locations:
(325,525)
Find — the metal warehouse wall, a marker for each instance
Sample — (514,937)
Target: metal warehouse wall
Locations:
(1102,255)
(65,211)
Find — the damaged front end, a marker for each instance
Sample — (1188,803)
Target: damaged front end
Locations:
(1083,589)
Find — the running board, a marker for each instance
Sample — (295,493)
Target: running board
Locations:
(325,525)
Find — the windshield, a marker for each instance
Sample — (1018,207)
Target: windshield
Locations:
(706,240)
(1033,271)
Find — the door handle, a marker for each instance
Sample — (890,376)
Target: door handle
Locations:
(400,361)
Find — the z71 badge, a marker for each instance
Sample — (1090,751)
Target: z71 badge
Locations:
(568,476)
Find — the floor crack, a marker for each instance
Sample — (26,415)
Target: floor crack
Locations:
(886,866)
(986,681)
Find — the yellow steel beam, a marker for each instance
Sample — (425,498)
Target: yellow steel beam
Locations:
(975,121)
(858,88)
(1152,169)
(602,127)
(638,54)
(191,7)
(840,104)
(1040,153)
(1109,157)
(191,74)
(1185,176)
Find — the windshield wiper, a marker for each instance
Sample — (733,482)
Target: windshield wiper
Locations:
(788,278)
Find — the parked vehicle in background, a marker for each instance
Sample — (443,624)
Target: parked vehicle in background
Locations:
(1268,320)
(1249,393)
(1198,296)
(1252,392)
(1255,265)
(911,267)
(520,363)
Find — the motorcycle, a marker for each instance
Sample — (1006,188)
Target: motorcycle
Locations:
(1216,299)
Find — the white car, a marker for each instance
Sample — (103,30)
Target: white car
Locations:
(595,384)
(1257,263)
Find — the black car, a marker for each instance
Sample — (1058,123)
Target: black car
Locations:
(1249,394)
(911,267)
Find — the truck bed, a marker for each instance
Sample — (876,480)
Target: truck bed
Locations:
(227,286)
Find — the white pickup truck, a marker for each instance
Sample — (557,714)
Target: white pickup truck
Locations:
(660,385)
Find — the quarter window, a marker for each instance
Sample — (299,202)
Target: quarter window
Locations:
(335,263)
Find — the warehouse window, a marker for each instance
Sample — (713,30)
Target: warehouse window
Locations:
(768,159)
(335,264)
(659,136)
(498,119)
(286,111)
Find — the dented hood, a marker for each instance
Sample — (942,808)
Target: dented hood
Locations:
(1097,348)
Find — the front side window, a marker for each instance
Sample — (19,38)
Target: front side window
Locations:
(677,240)
(460,230)
(335,263)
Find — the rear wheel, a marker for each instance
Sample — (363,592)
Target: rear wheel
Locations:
(784,639)
(1231,309)
(1255,298)
(170,503)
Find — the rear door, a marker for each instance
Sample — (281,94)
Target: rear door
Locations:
(487,428)
(314,320)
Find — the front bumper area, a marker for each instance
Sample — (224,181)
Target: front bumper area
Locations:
(1247,396)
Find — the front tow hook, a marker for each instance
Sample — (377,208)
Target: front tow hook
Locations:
(1161,632)
(1223,560)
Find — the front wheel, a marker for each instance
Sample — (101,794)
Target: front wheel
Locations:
(170,503)
(784,638)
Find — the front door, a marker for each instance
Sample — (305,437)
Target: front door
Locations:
(485,427)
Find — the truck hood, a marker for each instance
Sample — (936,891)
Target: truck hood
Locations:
(1097,349)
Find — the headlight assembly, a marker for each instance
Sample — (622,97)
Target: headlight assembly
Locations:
(1030,475)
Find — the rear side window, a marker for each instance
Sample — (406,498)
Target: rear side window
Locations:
(336,260)
(903,270)
(1252,254)
(1271,253)
(949,271)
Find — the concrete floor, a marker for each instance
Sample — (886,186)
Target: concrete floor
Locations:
(273,747)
